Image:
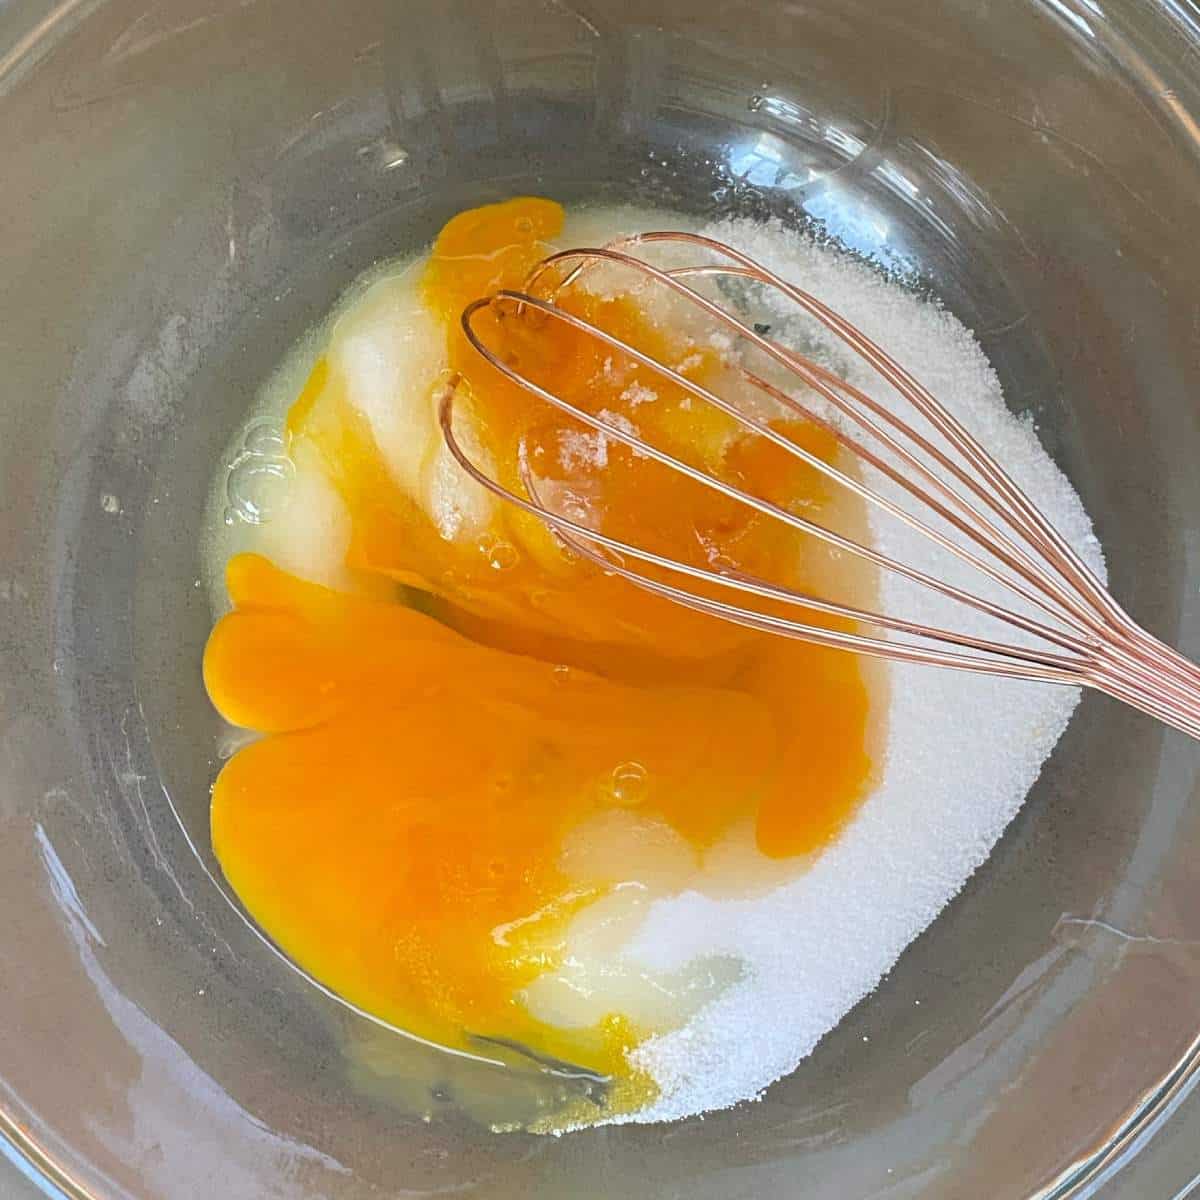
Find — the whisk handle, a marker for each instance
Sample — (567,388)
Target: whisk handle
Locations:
(1149,675)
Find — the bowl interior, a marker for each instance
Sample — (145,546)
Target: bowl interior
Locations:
(189,185)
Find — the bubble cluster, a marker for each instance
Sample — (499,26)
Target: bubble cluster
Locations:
(259,475)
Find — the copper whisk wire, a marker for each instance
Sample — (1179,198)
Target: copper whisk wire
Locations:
(1074,632)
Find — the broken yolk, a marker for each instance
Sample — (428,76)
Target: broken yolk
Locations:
(398,831)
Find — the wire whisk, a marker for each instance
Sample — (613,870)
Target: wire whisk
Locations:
(1067,628)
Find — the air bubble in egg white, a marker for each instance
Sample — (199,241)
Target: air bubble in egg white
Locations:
(265,437)
(628,784)
(500,555)
(257,488)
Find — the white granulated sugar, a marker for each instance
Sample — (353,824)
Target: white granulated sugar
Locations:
(817,945)
(617,421)
(577,449)
(639,393)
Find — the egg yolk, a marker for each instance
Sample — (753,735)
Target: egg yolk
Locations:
(399,829)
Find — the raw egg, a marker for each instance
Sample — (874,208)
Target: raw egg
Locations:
(481,751)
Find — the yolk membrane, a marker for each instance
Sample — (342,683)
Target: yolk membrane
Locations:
(398,831)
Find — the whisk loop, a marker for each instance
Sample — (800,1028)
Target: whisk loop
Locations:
(1074,632)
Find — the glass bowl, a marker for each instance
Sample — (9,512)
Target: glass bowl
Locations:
(185,185)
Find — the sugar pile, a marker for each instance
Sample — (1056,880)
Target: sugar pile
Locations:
(961,753)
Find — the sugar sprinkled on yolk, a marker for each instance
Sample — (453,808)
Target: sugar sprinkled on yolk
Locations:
(425,764)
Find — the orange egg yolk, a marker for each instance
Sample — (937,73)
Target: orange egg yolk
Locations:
(427,753)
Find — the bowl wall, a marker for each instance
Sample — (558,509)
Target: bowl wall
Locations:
(187,185)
